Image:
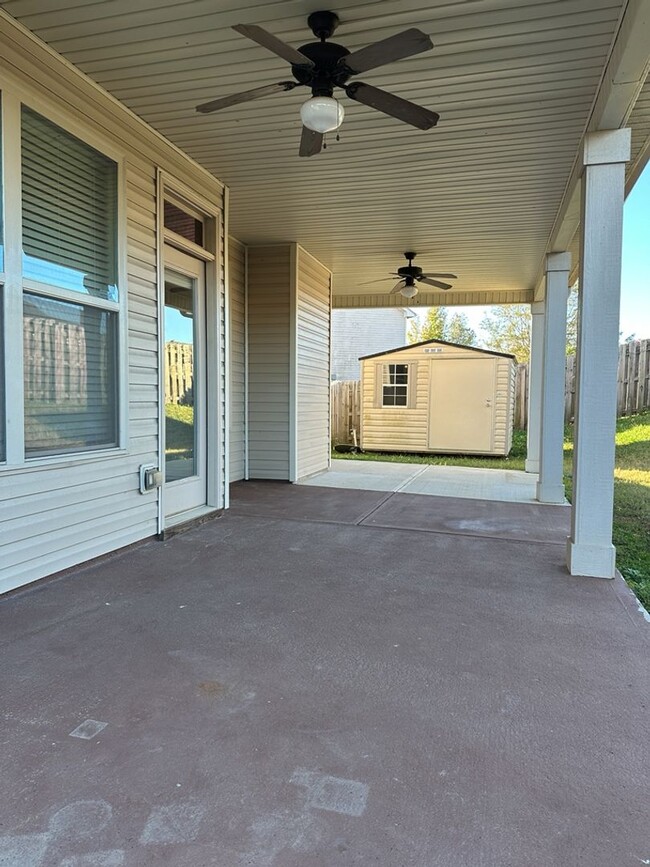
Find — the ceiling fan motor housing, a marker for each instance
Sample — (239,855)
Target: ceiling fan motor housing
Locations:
(325,74)
(410,271)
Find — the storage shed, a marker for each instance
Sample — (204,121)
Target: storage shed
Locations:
(437,396)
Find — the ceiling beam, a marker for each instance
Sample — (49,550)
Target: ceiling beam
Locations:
(434,299)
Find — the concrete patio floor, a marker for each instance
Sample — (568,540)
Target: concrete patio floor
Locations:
(465,482)
(328,677)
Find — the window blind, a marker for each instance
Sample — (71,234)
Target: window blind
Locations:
(69,202)
(70,376)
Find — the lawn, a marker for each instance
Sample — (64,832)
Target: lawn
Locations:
(179,431)
(631,489)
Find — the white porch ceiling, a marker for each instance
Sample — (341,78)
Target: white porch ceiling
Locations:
(513,81)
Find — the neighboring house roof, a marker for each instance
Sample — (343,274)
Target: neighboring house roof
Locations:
(444,343)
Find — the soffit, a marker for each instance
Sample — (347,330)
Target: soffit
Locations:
(639,121)
(513,80)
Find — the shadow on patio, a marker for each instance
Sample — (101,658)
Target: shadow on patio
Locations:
(328,677)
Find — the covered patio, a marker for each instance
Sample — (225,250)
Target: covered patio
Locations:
(357,687)
(472,483)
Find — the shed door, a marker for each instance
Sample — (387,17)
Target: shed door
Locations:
(461,404)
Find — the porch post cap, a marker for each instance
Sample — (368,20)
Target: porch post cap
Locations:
(537,308)
(558,261)
(607,146)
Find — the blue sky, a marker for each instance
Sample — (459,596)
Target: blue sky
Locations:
(635,284)
(635,280)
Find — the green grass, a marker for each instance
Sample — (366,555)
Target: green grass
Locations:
(631,488)
(179,431)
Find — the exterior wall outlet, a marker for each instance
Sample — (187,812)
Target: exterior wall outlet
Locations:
(150,478)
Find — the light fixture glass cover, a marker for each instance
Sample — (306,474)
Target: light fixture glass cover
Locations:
(409,291)
(322,114)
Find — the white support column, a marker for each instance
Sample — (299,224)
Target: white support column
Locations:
(535,387)
(550,486)
(589,549)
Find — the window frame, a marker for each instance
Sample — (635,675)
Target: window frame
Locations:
(12,100)
(386,366)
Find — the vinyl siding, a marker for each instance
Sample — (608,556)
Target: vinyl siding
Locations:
(407,429)
(514,82)
(312,365)
(237,277)
(60,513)
(363,332)
(400,429)
(269,314)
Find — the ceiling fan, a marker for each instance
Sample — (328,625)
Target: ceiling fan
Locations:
(410,275)
(322,66)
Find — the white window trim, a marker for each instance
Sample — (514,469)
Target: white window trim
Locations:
(387,365)
(13,98)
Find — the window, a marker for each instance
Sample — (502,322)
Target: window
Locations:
(70,379)
(395,385)
(181,223)
(69,193)
(60,322)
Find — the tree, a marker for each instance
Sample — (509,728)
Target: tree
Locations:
(507,328)
(459,331)
(433,327)
(438,326)
(572,323)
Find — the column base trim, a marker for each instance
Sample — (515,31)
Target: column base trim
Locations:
(548,493)
(531,466)
(595,561)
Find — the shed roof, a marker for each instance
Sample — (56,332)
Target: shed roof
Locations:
(444,343)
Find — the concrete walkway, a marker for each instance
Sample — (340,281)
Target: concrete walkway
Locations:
(328,678)
(466,482)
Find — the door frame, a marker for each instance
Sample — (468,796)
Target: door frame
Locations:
(194,486)
(212,254)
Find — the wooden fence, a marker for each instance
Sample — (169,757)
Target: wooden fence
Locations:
(345,403)
(633,392)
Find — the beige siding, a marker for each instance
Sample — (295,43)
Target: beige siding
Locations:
(407,429)
(312,365)
(237,277)
(504,406)
(402,429)
(68,510)
(269,311)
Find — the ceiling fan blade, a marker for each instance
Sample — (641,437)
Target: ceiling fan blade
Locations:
(395,106)
(381,280)
(447,276)
(245,96)
(435,283)
(277,46)
(311,143)
(397,47)
(398,287)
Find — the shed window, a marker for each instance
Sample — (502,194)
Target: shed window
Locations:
(395,385)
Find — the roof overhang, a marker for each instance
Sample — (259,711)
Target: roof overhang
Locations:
(486,194)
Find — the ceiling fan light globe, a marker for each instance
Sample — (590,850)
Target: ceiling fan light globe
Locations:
(409,291)
(322,114)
